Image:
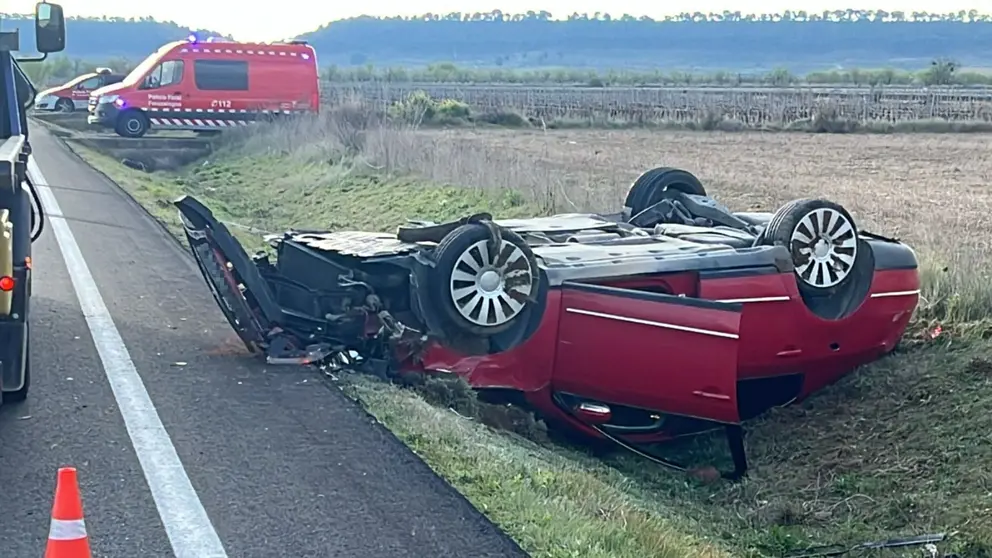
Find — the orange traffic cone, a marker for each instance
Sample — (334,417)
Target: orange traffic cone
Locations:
(67,535)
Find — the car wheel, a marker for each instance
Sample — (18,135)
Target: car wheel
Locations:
(647,190)
(64,105)
(22,393)
(484,279)
(132,124)
(822,238)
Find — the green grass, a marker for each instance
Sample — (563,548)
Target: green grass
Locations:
(900,448)
(258,192)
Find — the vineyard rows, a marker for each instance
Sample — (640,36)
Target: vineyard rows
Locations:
(755,106)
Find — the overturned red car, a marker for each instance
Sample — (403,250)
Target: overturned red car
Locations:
(672,317)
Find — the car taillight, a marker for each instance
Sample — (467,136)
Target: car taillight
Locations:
(6,283)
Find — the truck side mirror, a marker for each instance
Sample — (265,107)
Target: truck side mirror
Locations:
(49,28)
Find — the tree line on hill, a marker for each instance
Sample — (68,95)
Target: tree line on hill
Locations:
(103,38)
(795,40)
(731,42)
(841,16)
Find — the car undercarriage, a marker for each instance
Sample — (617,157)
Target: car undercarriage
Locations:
(671,317)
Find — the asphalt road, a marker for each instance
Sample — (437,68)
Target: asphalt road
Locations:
(279,464)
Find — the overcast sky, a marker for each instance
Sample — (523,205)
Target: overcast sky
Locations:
(266,20)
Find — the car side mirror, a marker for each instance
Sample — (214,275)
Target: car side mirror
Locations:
(49,28)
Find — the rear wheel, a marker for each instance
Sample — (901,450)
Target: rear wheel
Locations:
(823,240)
(132,124)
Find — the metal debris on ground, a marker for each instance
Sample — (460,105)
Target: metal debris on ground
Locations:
(838,550)
(312,354)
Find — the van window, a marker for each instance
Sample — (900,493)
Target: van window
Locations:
(221,75)
(169,72)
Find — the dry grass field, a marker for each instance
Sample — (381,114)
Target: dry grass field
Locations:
(878,109)
(900,448)
(932,190)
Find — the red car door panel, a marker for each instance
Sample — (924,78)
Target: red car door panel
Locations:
(654,351)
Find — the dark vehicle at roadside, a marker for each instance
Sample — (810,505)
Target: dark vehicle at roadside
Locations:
(21,214)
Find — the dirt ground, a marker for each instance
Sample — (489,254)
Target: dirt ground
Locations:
(929,190)
(926,189)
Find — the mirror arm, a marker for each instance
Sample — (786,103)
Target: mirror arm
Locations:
(35,59)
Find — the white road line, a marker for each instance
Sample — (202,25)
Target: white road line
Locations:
(190,531)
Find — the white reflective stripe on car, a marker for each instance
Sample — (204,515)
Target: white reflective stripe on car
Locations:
(676,327)
(756,299)
(67,530)
(896,293)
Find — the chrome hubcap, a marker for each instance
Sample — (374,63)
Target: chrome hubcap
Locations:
(490,288)
(824,247)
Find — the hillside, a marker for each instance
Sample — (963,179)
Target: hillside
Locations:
(799,42)
(106,38)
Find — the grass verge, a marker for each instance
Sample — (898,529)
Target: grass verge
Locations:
(897,449)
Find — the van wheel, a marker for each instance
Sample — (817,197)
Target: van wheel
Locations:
(132,124)
(64,105)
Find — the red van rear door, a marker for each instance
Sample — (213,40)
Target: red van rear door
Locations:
(671,354)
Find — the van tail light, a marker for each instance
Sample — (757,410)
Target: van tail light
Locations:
(6,283)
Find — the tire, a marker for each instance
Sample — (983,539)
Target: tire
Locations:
(22,394)
(820,267)
(648,189)
(132,124)
(457,290)
(65,105)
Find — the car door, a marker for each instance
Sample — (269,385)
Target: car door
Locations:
(661,352)
(81,92)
